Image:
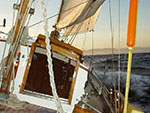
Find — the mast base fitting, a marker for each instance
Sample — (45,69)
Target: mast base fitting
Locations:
(16,6)
(31,11)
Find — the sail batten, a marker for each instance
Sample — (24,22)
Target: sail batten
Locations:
(78,16)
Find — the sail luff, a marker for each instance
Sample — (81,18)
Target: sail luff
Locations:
(60,10)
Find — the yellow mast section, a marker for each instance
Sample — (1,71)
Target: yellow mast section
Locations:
(132,22)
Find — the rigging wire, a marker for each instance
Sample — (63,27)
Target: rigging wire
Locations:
(124,62)
(91,61)
(13,19)
(42,20)
(74,35)
(112,44)
(119,72)
(47,3)
(84,41)
(78,29)
(12,100)
(13,77)
(76,32)
(24,28)
(58,14)
(66,38)
(28,20)
(13,50)
(111,34)
(71,41)
(86,35)
(3,64)
(16,43)
(35,3)
(5,46)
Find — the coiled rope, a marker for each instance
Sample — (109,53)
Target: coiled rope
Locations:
(49,59)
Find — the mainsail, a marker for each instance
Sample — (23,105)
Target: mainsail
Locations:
(78,16)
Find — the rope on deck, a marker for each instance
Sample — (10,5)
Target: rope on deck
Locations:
(49,59)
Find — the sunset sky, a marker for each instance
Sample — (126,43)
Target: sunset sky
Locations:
(102,34)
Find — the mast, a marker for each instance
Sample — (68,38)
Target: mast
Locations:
(62,3)
(23,11)
(55,33)
(131,37)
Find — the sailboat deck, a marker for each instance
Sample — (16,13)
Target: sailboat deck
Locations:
(26,108)
(97,100)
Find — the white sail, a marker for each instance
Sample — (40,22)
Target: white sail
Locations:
(78,16)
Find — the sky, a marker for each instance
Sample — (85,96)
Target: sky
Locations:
(101,35)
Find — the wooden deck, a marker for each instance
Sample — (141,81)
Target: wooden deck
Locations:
(26,108)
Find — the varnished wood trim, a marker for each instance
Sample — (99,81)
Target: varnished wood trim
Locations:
(58,49)
(67,46)
(64,52)
(62,44)
(1,40)
(22,11)
(84,68)
(41,43)
(27,68)
(23,8)
(74,81)
(78,109)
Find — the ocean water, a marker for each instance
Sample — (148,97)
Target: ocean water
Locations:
(107,71)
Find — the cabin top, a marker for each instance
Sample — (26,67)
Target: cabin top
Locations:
(41,39)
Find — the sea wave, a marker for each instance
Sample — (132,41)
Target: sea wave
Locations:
(102,66)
